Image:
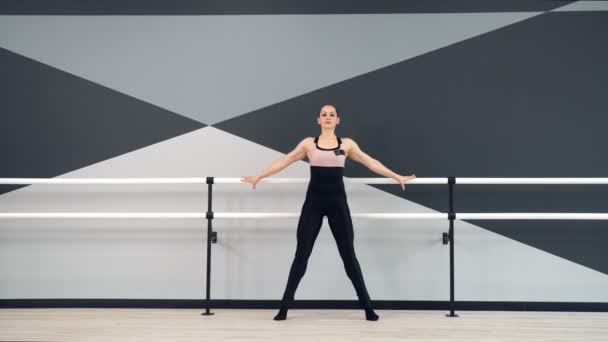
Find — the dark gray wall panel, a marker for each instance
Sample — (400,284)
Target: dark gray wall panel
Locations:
(527,100)
(190,7)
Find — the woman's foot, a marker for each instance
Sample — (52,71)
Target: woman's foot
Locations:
(282,315)
(370,315)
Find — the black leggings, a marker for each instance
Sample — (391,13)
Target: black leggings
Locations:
(335,207)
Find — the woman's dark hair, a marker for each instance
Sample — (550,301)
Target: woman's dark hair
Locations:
(336,108)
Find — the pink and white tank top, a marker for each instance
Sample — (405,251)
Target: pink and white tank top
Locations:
(327,157)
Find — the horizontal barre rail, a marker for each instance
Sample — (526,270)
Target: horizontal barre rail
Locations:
(439,180)
(199,180)
(102,215)
(80,181)
(532,216)
(203,180)
(532,181)
(353,215)
(227,215)
(222,215)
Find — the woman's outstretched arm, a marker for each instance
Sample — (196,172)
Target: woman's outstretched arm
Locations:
(357,155)
(297,154)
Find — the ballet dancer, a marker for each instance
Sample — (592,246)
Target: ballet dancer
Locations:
(325,196)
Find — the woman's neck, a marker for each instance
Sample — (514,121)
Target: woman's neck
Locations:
(327,134)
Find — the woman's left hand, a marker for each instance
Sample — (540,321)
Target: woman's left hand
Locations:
(403,179)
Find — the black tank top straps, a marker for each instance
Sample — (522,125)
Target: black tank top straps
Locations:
(327,149)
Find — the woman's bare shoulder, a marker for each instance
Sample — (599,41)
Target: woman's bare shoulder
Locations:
(307,142)
(348,142)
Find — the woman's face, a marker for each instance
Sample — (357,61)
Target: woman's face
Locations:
(328,118)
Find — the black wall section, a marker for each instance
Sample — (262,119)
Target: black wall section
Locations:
(54,122)
(193,7)
(527,100)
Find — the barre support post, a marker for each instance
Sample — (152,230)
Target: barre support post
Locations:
(209,217)
(451,217)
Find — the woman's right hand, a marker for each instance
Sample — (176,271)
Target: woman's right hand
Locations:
(403,179)
(250,179)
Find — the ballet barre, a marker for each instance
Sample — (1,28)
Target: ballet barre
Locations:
(204,180)
(448,238)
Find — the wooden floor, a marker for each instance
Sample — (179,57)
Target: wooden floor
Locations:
(301,325)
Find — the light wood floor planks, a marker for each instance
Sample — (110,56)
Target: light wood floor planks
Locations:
(302,325)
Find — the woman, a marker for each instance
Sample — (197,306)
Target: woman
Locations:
(326,197)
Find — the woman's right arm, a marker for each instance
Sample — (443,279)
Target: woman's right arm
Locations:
(297,154)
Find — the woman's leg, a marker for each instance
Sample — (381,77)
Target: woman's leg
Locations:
(341,226)
(309,225)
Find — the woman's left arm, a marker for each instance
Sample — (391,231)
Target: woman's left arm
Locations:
(357,155)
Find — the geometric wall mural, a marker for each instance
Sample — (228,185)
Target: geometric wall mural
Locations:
(465,89)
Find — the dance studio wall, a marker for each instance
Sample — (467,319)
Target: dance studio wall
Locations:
(465,89)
